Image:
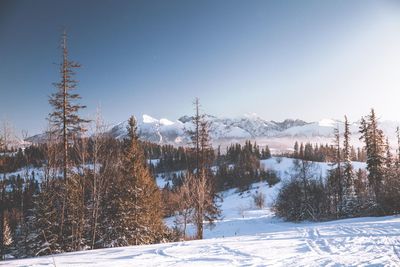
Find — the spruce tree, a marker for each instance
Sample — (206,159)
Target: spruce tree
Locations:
(375,148)
(336,175)
(66,127)
(398,148)
(136,198)
(296,149)
(349,199)
(65,121)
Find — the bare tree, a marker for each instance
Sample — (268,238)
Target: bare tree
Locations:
(99,150)
(204,194)
(184,202)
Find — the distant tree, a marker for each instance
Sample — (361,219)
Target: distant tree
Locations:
(296,149)
(266,153)
(301,151)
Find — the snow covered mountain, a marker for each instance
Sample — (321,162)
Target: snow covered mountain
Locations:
(227,130)
(245,127)
(278,135)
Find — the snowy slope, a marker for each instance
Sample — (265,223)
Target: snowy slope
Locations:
(247,236)
(350,242)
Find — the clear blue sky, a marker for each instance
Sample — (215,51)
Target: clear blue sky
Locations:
(279,59)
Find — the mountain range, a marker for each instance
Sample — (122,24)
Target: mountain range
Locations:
(223,131)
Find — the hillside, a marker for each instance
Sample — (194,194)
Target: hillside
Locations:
(351,242)
(249,236)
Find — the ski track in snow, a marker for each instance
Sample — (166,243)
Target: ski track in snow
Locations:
(247,236)
(351,242)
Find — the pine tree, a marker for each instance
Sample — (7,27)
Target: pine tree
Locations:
(64,119)
(350,204)
(375,147)
(66,125)
(398,147)
(136,198)
(43,227)
(301,151)
(336,175)
(296,149)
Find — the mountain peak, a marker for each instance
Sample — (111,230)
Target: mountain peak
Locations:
(328,123)
(148,119)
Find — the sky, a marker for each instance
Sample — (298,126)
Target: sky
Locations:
(279,59)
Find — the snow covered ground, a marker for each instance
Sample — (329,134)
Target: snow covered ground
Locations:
(247,236)
(351,242)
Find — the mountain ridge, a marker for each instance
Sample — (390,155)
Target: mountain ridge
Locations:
(224,130)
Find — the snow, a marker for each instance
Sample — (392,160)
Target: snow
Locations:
(327,123)
(166,122)
(149,119)
(248,236)
(350,242)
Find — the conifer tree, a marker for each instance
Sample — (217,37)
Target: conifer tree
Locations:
(349,198)
(64,119)
(336,175)
(296,149)
(43,226)
(66,126)
(136,199)
(375,147)
(398,147)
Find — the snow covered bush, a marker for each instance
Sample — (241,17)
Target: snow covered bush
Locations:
(298,203)
(259,199)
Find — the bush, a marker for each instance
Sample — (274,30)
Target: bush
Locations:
(259,199)
(296,203)
(271,177)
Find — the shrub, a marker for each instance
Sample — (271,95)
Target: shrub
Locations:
(259,199)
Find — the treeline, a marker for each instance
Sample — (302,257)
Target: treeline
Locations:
(323,153)
(238,167)
(15,159)
(346,192)
(169,158)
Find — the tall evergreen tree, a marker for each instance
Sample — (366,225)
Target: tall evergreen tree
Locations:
(375,147)
(296,149)
(66,125)
(136,200)
(349,198)
(65,121)
(336,175)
